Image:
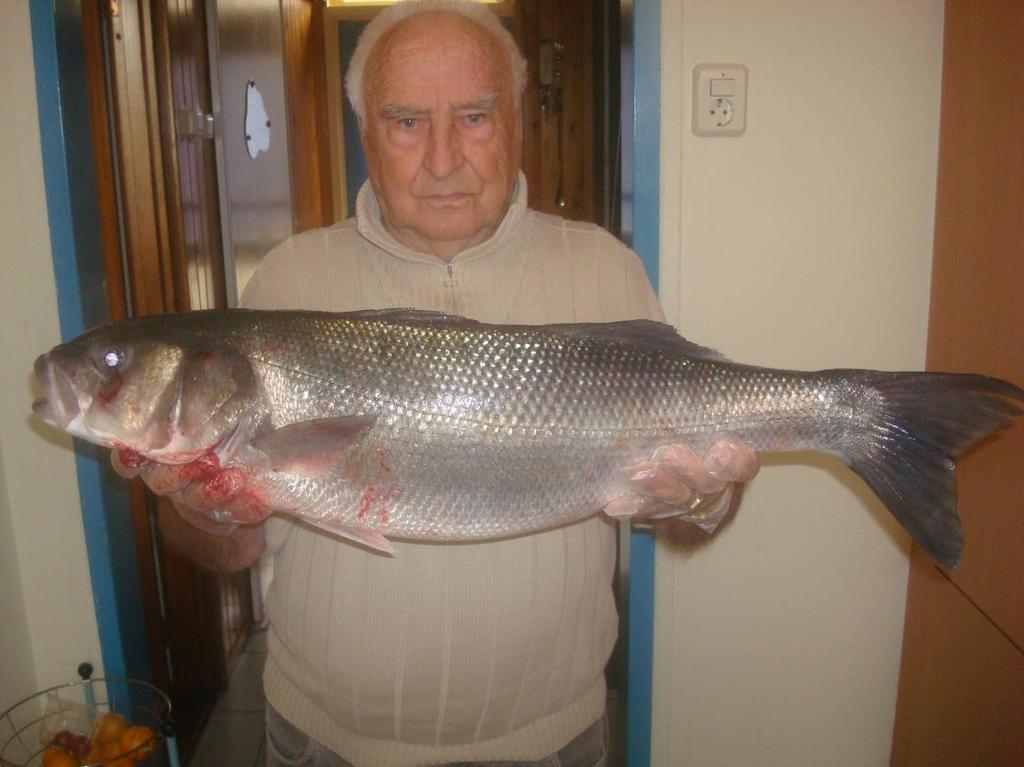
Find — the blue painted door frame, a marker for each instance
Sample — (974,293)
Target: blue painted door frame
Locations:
(79,273)
(641,136)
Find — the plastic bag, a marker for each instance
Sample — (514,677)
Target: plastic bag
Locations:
(63,715)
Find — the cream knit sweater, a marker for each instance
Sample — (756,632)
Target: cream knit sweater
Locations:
(460,652)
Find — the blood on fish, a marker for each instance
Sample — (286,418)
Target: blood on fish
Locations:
(131,459)
(224,485)
(107,395)
(385,461)
(247,507)
(382,512)
(203,467)
(369,497)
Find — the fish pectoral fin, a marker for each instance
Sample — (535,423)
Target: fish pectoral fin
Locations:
(311,447)
(370,538)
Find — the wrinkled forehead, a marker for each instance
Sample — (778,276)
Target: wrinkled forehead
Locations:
(436,56)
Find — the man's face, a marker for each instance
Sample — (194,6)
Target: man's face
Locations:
(443,140)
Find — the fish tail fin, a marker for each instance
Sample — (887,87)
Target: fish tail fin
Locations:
(909,429)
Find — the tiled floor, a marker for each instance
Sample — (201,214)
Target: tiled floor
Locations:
(234,736)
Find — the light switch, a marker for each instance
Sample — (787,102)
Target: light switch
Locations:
(723,87)
(719,99)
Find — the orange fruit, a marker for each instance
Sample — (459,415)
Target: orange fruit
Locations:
(110,749)
(110,727)
(54,757)
(107,753)
(138,742)
(95,754)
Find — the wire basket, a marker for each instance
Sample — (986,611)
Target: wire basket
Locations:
(28,728)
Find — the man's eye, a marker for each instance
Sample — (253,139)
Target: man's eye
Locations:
(408,122)
(476,118)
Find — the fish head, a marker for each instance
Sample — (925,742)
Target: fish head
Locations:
(130,386)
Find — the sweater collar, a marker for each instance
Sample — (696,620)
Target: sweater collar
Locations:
(369,225)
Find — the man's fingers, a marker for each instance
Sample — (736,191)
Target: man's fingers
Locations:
(730,460)
(214,492)
(662,481)
(164,479)
(709,514)
(689,468)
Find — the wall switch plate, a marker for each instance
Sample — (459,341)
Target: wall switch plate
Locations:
(719,99)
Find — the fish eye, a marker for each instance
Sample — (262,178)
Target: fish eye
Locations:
(112,358)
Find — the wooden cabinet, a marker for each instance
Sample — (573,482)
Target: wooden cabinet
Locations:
(962,682)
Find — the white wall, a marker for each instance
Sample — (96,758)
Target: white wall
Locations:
(805,243)
(47,617)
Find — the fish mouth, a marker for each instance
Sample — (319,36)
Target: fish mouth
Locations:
(42,409)
(59,406)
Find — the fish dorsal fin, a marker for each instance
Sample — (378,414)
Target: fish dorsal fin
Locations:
(413,317)
(646,333)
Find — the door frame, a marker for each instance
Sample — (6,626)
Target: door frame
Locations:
(641,178)
(70,186)
(82,302)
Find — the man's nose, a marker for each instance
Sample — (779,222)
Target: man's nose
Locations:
(444,153)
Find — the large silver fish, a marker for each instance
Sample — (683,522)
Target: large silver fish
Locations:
(423,426)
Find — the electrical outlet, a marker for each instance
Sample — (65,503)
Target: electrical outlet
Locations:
(719,99)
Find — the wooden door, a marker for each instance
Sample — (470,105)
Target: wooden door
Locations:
(961,695)
(571,127)
(158,192)
(309,140)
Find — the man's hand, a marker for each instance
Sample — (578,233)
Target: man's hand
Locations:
(203,486)
(225,551)
(676,485)
(194,527)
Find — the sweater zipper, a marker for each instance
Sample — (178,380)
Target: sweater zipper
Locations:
(450,283)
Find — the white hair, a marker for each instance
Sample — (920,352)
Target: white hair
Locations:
(400,11)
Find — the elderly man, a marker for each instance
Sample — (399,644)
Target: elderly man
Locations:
(479,653)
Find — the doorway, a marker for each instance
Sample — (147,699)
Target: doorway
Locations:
(189,241)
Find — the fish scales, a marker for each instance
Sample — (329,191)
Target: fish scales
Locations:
(543,384)
(507,414)
(480,410)
(428,427)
